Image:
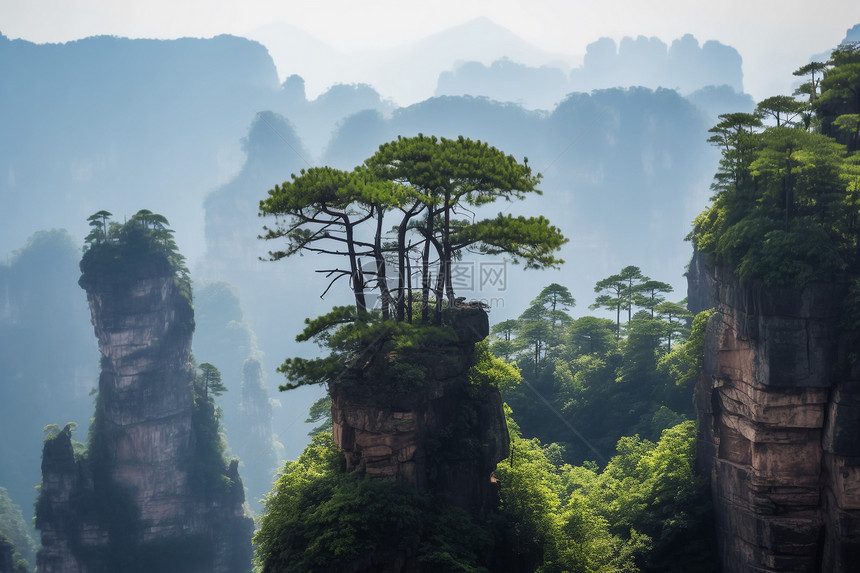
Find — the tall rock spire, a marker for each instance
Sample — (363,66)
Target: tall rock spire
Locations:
(153,491)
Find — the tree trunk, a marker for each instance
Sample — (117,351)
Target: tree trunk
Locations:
(403,264)
(446,248)
(381,281)
(438,289)
(425,267)
(356,279)
(409,287)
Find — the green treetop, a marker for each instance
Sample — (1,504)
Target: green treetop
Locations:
(782,109)
(209,381)
(123,250)
(785,208)
(346,213)
(838,106)
(621,291)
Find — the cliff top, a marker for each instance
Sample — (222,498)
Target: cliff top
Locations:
(141,247)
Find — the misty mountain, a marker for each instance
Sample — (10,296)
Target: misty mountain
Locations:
(114,123)
(852,34)
(48,358)
(416,67)
(715,100)
(296,52)
(505,80)
(648,62)
(407,74)
(315,121)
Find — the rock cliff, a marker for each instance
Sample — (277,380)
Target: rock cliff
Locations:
(149,494)
(778,400)
(432,428)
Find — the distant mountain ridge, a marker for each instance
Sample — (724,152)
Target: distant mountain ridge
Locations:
(408,74)
(112,122)
(646,62)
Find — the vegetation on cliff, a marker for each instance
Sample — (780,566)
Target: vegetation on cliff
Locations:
(344,214)
(131,250)
(93,505)
(645,511)
(785,209)
(353,339)
(427,188)
(319,516)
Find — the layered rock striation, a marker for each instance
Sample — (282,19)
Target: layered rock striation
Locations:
(431,427)
(778,400)
(147,495)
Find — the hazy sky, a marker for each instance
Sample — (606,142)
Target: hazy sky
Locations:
(774,37)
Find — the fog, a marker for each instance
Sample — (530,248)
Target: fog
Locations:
(198,130)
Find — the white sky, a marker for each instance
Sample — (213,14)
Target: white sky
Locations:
(774,37)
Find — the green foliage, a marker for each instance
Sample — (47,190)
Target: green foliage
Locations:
(318,518)
(840,86)
(51,431)
(320,414)
(208,465)
(208,381)
(592,335)
(649,493)
(326,211)
(553,517)
(785,210)
(602,378)
(489,371)
(455,542)
(782,109)
(357,342)
(16,531)
(144,243)
(625,290)
(646,511)
(626,518)
(530,240)
(682,364)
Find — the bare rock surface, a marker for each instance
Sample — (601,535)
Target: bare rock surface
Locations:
(438,432)
(778,401)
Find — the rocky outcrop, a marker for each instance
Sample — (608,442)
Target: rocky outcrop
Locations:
(145,496)
(778,400)
(431,428)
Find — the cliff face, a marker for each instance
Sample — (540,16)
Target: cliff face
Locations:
(139,499)
(443,433)
(779,425)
